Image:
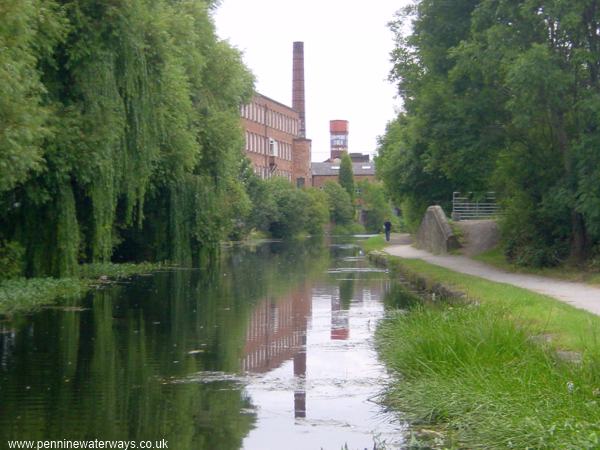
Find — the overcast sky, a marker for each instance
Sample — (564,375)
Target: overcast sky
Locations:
(347,48)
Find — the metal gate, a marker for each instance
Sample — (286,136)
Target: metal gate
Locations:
(465,208)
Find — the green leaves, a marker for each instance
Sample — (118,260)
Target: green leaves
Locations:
(341,209)
(111,112)
(346,175)
(28,32)
(502,100)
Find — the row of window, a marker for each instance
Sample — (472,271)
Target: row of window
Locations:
(268,146)
(264,355)
(265,173)
(273,119)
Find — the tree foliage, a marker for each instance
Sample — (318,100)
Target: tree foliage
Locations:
(280,209)
(502,95)
(374,205)
(346,175)
(119,131)
(341,209)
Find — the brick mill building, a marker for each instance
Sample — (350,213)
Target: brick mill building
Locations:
(276,141)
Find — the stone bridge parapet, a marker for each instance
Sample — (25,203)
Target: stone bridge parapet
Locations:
(435,233)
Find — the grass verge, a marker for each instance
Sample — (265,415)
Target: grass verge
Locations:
(24,295)
(373,243)
(478,373)
(495,257)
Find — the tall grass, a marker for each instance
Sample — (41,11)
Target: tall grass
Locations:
(479,371)
(473,371)
(570,328)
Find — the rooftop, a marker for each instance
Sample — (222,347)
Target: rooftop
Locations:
(333,169)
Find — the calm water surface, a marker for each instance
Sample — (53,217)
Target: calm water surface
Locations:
(271,348)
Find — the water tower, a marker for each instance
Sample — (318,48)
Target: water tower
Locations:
(338,130)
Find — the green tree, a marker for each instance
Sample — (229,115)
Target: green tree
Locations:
(501,95)
(341,210)
(29,33)
(346,175)
(374,206)
(317,212)
(291,203)
(120,135)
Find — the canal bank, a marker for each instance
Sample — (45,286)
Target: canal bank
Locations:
(27,295)
(502,367)
(270,348)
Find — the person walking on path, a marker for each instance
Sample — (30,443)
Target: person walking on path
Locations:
(388,228)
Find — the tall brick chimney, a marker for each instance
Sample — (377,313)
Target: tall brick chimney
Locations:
(298,85)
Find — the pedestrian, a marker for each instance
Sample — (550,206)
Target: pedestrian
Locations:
(388,228)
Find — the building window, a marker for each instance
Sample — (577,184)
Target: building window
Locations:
(273,147)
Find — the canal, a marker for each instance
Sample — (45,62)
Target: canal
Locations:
(271,348)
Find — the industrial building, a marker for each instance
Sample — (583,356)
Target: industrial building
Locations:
(276,141)
(362,167)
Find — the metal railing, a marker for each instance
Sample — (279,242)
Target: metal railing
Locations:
(465,208)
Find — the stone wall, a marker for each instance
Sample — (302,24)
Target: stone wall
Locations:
(435,234)
(478,236)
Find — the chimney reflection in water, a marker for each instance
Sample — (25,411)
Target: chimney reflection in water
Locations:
(277,333)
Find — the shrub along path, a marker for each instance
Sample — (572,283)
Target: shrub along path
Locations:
(579,295)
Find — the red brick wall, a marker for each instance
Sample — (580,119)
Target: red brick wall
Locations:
(264,120)
(301,162)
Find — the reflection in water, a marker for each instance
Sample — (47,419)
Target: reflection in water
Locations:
(155,358)
(276,333)
(334,375)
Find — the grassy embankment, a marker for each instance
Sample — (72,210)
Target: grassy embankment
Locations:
(24,295)
(496,258)
(491,372)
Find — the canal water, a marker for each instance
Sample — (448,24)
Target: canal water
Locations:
(271,348)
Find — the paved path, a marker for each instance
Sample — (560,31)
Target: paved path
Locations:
(580,295)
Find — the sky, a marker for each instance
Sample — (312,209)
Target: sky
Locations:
(347,47)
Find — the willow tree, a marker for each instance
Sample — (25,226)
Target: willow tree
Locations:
(131,126)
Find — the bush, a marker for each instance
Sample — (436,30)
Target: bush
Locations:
(532,235)
(317,214)
(284,211)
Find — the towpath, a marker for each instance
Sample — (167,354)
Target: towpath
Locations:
(579,295)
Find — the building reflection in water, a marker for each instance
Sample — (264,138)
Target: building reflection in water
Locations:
(277,333)
(278,327)
(340,306)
